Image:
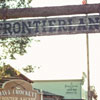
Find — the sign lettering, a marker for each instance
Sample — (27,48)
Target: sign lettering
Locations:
(71,89)
(18,90)
(50,26)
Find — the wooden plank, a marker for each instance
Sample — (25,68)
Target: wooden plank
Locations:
(49,11)
(50,26)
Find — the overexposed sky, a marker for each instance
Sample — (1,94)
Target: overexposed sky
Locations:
(63,56)
(43,3)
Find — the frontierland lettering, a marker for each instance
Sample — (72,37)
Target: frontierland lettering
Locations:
(50,26)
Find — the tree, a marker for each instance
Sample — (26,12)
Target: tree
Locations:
(11,46)
(15,3)
(28,69)
(8,71)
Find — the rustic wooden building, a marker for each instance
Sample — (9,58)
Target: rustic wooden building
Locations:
(17,75)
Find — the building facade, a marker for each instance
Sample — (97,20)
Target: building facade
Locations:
(69,89)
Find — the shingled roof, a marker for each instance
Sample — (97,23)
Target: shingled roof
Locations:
(46,93)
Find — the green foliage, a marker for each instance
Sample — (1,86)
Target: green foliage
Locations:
(28,69)
(12,46)
(7,71)
(15,3)
(9,47)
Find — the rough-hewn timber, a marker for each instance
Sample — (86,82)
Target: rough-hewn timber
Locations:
(49,11)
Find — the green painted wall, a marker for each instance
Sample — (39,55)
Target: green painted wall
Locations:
(84,90)
(68,88)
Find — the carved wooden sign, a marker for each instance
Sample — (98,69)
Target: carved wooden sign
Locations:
(50,26)
(18,90)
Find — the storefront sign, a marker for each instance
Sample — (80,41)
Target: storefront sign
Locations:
(50,26)
(18,90)
(71,89)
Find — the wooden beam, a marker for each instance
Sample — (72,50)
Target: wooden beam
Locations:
(49,11)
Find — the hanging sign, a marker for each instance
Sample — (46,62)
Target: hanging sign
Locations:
(50,26)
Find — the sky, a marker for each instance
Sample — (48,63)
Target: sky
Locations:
(62,56)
